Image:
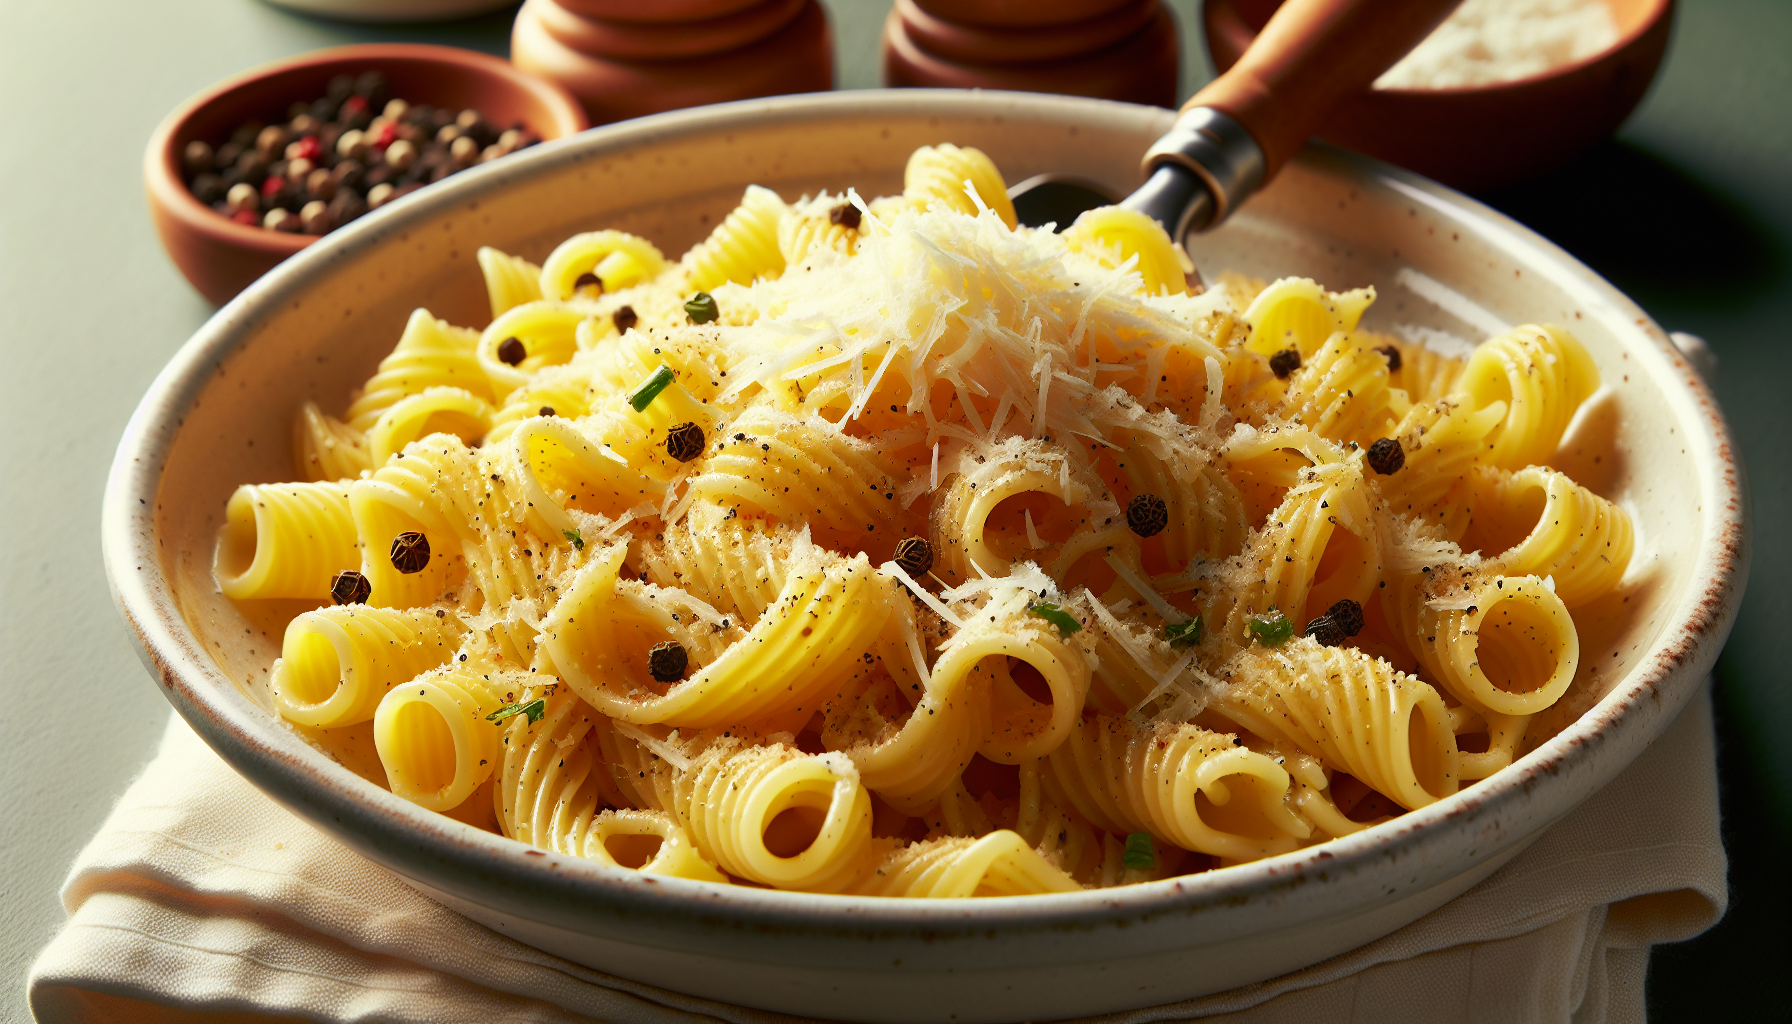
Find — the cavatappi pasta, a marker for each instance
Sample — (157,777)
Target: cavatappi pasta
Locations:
(888,548)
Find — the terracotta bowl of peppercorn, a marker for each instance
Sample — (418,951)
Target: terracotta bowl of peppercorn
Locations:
(261,165)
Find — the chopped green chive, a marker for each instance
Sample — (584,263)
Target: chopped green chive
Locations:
(1139,852)
(1272,629)
(578,542)
(701,308)
(650,389)
(1183,634)
(534,709)
(1057,616)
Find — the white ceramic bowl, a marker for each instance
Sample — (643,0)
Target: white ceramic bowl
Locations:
(315,327)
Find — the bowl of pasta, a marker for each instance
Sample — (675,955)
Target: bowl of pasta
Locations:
(883,611)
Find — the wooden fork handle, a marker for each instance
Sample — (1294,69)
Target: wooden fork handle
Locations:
(1311,56)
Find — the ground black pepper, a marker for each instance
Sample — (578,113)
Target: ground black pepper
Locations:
(625,318)
(511,350)
(1393,354)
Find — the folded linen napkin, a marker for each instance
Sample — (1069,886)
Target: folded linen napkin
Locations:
(202,900)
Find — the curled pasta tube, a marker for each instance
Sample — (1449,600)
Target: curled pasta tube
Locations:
(336,663)
(555,785)
(647,842)
(617,258)
(567,393)
(1538,522)
(1320,546)
(809,228)
(744,247)
(767,813)
(1356,713)
(548,334)
(434,738)
(430,353)
(802,473)
(1441,440)
(938,174)
(1504,734)
(1001,863)
(1183,784)
(510,281)
(1543,374)
(554,778)
(1342,392)
(325,448)
(909,732)
(441,489)
(1022,727)
(1506,644)
(285,540)
(1012,469)
(802,650)
(431,411)
(1113,235)
(555,467)
(1295,312)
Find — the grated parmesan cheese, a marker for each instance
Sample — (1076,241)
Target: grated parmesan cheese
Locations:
(1489,41)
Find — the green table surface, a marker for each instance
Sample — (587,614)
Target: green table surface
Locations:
(1689,210)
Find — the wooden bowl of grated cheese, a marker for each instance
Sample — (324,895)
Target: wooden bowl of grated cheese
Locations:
(1501,92)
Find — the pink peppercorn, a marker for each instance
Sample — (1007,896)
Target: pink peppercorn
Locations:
(307,148)
(271,186)
(249,217)
(382,136)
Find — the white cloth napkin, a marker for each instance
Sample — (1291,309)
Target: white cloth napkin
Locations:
(202,900)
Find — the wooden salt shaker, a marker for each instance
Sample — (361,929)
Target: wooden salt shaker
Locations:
(1113,49)
(625,58)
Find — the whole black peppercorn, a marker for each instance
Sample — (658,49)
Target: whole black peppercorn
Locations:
(667,661)
(1325,630)
(410,553)
(198,158)
(1285,362)
(371,86)
(914,555)
(512,351)
(340,88)
(1348,615)
(846,215)
(588,280)
(625,318)
(1386,456)
(1147,515)
(1393,354)
(350,587)
(685,441)
(546,410)
(209,189)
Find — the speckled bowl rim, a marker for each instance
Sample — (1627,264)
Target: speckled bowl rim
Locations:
(491,870)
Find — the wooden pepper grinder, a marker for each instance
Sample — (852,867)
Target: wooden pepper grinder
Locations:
(626,58)
(1113,49)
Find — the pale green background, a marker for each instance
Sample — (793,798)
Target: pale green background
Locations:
(1691,212)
